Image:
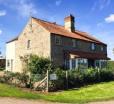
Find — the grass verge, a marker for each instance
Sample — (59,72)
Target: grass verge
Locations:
(97,92)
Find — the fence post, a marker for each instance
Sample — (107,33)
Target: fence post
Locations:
(67,79)
(47,89)
(98,74)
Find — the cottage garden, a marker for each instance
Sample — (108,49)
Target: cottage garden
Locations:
(39,75)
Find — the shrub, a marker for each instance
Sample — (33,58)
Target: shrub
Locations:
(38,65)
(91,76)
(22,78)
(60,82)
(1,69)
(18,79)
(110,65)
(75,78)
(106,75)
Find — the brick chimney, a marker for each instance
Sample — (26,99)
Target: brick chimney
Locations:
(70,23)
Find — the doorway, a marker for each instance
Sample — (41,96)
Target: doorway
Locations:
(91,63)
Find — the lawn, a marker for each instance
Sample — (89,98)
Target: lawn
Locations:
(103,91)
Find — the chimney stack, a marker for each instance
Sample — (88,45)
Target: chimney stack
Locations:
(70,23)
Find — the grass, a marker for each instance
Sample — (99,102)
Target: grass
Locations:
(97,92)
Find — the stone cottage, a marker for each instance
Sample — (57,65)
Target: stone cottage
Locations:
(65,45)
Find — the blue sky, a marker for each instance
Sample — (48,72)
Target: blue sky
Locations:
(93,16)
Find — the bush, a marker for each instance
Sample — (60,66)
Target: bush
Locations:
(1,69)
(106,75)
(110,65)
(91,76)
(60,82)
(38,65)
(18,79)
(75,78)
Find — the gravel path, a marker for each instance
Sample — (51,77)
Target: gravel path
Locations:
(22,101)
(103,102)
(5,100)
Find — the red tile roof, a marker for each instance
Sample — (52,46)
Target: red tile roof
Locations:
(60,30)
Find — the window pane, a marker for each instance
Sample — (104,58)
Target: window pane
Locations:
(93,46)
(97,63)
(58,40)
(73,42)
(102,48)
(28,44)
(82,63)
(73,64)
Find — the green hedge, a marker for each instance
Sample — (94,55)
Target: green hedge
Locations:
(77,78)
(110,65)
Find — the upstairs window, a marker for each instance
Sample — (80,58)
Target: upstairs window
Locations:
(102,48)
(28,44)
(73,43)
(93,46)
(57,40)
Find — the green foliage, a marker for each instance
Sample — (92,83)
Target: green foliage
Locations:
(38,65)
(18,79)
(110,65)
(106,75)
(77,78)
(60,82)
(1,69)
(91,76)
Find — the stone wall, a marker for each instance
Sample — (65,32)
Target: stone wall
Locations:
(39,43)
(57,51)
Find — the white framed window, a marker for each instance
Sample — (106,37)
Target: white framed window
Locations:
(101,63)
(28,44)
(82,63)
(73,64)
(78,63)
(73,43)
(58,40)
(97,63)
(93,46)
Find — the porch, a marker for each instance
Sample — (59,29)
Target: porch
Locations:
(84,60)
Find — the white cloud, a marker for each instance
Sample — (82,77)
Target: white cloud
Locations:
(23,7)
(26,9)
(100,4)
(2,12)
(110,18)
(0,32)
(58,2)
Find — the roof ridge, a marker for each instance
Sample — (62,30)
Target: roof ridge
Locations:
(90,37)
(54,23)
